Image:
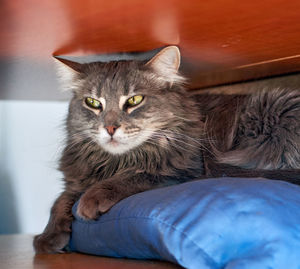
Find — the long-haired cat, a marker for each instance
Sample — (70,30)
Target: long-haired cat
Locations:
(132,127)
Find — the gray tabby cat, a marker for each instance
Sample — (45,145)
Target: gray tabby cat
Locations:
(133,127)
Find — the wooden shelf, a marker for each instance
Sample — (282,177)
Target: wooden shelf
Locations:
(16,252)
(221,41)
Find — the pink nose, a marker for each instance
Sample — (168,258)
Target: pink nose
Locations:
(111,129)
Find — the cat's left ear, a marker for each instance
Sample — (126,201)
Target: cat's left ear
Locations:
(166,64)
(68,71)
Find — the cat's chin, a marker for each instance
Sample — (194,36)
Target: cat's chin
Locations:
(116,148)
(121,144)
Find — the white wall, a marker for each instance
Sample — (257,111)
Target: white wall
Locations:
(31,138)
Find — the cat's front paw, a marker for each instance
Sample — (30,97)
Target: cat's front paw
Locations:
(51,243)
(96,201)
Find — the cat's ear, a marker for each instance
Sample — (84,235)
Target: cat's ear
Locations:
(166,64)
(68,71)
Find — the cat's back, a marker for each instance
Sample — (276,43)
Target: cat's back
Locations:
(219,113)
(267,131)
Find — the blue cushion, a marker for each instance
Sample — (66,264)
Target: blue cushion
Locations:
(214,223)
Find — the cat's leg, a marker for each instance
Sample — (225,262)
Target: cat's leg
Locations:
(100,197)
(268,132)
(57,232)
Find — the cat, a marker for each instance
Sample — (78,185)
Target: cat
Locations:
(132,126)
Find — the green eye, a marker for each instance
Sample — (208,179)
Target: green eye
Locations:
(93,103)
(135,100)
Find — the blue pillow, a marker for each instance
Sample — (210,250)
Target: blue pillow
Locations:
(214,223)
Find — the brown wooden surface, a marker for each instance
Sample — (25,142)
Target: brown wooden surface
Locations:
(222,41)
(16,252)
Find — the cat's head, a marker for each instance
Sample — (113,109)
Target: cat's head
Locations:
(124,104)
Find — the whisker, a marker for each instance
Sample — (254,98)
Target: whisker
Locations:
(181,118)
(174,145)
(185,135)
(153,142)
(175,136)
(82,137)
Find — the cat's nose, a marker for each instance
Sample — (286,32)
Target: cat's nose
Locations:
(111,129)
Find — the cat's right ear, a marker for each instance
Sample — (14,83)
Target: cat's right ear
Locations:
(68,72)
(166,64)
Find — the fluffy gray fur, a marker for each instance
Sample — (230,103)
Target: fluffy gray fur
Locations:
(267,132)
(168,136)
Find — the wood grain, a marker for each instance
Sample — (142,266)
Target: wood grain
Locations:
(16,252)
(221,41)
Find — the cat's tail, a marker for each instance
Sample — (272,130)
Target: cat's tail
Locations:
(267,132)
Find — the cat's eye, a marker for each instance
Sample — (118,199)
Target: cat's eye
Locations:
(135,100)
(93,103)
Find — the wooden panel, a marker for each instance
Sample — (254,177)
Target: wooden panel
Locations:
(16,252)
(221,41)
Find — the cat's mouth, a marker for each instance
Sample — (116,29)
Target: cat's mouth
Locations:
(114,142)
(116,145)
(120,142)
